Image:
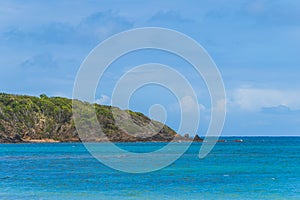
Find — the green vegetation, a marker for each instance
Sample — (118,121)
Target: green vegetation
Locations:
(25,118)
(2,128)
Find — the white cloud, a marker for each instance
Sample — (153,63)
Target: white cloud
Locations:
(103,100)
(254,99)
(188,104)
(220,105)
(89,30)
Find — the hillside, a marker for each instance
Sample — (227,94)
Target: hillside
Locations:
(49,119)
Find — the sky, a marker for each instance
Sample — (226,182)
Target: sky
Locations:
(253,43)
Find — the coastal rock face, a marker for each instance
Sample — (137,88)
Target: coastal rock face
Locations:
(28,118)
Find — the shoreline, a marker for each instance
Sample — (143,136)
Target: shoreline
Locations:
(224,139)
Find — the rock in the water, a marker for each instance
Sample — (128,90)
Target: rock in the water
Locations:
(239,140)
(198,139)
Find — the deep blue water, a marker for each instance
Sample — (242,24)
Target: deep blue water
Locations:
(258,168)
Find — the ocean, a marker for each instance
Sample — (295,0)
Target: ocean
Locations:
(258,168)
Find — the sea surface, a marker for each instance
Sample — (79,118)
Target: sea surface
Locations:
(258,168)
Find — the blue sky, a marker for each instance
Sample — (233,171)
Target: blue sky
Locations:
(253,43)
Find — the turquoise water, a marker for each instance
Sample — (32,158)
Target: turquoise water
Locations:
(258,168)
